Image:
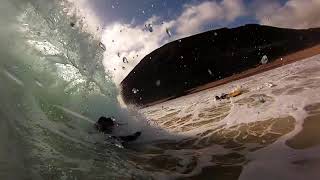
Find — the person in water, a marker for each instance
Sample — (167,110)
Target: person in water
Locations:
(106,126)
(129,138)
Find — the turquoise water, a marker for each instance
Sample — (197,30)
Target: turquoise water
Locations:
(53,88)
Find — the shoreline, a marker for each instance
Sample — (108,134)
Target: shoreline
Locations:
(288,59)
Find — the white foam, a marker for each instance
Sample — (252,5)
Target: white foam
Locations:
(283,105)
(275,160)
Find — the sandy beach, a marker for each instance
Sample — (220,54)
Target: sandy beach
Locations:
(291,58)
(300,55)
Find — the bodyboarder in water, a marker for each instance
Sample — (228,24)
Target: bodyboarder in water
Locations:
(107,125)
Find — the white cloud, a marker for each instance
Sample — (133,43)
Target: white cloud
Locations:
(195,16)
(135,40)
(296,14)
(126,40)
(131,40)
(233,9)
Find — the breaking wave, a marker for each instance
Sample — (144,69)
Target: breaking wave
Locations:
(53,88)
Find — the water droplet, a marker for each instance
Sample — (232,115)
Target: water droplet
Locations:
(158,82)
(264,59)
(179,40)
(149,27)
(102,46)
(181,57)
(215,33)
(125,60)
(72,24)
(269,84)
(210,72)
(135,91)
(168,32)
(262,100)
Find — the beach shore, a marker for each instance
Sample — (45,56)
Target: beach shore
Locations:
(291,58)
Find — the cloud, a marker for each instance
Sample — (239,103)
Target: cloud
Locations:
(128,40)
(133,43)
(194,17)
(233,9)
(296,14)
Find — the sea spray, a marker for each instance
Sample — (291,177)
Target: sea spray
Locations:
(53,88)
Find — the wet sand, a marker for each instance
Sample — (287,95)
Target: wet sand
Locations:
(309,136)
(238,141)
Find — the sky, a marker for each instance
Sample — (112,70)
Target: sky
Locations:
(131,29)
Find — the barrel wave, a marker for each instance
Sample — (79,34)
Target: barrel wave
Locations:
(53,88)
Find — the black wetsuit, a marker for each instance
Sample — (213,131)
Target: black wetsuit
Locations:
(129,138)
(106,125)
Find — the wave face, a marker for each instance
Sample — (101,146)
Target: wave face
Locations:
(53,88)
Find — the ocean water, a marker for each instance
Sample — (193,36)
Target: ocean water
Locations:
(270,131)
(53,87)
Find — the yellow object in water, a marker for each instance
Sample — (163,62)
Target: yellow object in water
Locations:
(235,93)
